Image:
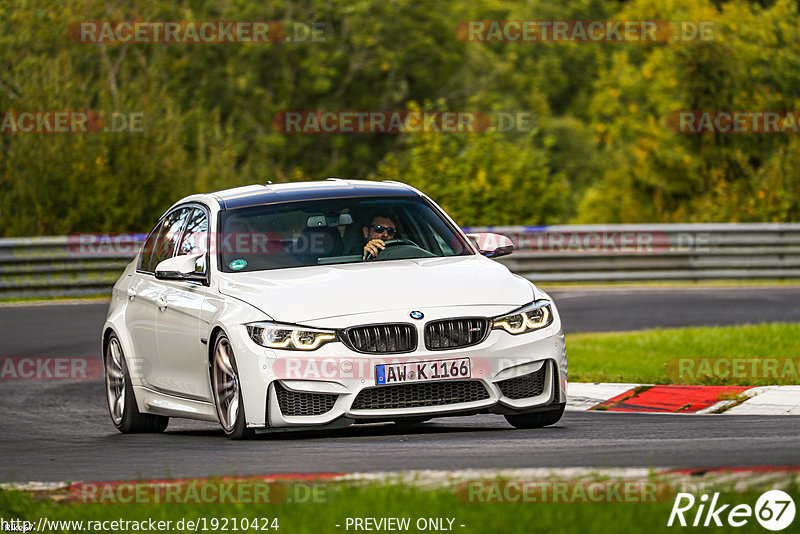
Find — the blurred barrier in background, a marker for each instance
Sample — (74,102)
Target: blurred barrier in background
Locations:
(89,264)
(62,266)
(642,252)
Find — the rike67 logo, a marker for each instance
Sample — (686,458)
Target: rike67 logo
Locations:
(774,510)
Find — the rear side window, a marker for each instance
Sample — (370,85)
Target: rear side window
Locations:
(166,239)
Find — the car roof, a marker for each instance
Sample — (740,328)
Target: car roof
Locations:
(256,195)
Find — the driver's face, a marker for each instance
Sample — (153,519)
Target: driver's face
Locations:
(371,233)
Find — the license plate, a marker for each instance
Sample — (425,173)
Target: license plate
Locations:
(399,373)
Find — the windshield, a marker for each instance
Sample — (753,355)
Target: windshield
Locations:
(333,231)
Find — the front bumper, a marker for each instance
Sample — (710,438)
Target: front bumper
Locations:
(290,404)
(328,387)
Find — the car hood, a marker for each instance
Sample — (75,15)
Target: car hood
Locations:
(304,294)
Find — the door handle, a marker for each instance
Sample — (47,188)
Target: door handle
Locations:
(161,303)
(131,293)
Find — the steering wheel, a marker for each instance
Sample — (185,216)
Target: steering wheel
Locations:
(391,243)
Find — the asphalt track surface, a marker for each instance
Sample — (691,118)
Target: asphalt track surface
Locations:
(53,430)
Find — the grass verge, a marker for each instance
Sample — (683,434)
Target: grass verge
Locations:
(753,355)
(342,502)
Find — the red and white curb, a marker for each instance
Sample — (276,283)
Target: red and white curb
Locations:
(735,400)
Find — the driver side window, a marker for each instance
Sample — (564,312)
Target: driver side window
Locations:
(168,236)
(195,237)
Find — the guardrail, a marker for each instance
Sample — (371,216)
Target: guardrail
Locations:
(643,252)
(63,265)
(89,265)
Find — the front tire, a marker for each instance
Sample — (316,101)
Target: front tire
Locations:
(119,391)
(536,419)
(227,393)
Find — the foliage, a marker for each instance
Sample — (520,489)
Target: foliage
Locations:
(599,152)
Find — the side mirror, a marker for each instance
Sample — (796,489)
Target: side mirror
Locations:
(185,268)
(492,245)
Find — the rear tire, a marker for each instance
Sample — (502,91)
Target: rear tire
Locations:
(121,401)
(536,419)
(227,393)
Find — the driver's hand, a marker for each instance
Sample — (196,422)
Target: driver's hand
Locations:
(373,247)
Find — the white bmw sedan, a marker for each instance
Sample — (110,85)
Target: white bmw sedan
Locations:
(322,304)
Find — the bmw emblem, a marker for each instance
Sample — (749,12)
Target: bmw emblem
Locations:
(416,315)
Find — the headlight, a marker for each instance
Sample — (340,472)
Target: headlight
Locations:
(530,317)
(280,336)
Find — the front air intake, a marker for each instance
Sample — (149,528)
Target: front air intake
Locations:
(294,403)
(525,386)
(421,394)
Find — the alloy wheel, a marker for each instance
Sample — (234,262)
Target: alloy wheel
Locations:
(226,385)
(115,380)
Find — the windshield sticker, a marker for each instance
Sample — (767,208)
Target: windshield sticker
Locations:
(237,265)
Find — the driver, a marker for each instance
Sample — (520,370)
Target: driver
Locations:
(380,228)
